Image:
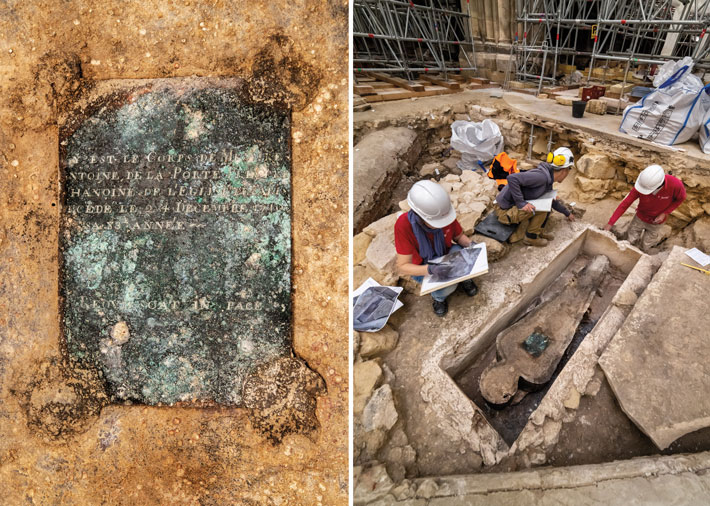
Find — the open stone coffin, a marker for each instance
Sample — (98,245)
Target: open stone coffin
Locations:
(511,295)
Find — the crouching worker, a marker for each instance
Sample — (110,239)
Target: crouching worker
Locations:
(429,230)
(659,194)
(512,202)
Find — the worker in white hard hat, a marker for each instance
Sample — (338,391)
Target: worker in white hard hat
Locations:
(659,194)
(512,206)
(429,230)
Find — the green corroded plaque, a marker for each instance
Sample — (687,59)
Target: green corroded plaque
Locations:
(176,237)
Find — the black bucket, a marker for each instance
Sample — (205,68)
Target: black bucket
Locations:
(578,107)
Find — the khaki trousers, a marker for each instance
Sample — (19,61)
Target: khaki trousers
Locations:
(649,231)
(527,221)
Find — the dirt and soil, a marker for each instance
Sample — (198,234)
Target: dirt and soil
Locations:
(60,442)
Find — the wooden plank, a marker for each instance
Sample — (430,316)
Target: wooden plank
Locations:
(441,82)
(402,83)
(403,94)
(362,89)
(389,95)
(381,85)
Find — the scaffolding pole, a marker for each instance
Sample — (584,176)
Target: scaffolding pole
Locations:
(589,32)
(412,36)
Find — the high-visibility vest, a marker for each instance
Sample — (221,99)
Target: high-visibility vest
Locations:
(502,167)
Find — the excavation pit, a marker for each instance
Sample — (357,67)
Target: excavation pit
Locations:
(510,420)
(465,365)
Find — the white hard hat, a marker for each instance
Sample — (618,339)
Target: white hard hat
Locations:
(561,158)
(650,179)
(432,203)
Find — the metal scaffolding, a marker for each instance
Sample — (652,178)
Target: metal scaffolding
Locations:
(594,32)
(412,36)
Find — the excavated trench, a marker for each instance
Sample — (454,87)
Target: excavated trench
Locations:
(510,420)
(596,430)
(599,431)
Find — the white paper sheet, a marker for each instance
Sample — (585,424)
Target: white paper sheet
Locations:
(544,202)
(479,268)
(698,256)
(371,282)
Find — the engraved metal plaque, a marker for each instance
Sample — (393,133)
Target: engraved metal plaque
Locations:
(176,237)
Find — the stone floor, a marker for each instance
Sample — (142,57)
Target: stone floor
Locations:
(652,481)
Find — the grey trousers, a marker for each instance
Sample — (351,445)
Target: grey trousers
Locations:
(642,234)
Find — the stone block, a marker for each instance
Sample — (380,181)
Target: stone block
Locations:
(540,144)
(404,490)
(362,272)
(436,148)
(496,250)
(375,344)
(573,398)
(383,225)
(430,169)
(467,197)
(459,108)
(469,176)
(596,106)
(447,186)
(592,189)
(659,377)
(469,220)
(377,166)
(437,119)
(690,208)
(596,166)
(427,488)
(474,110)
(372,484)
(381,254)
(620,88)
(452,178)
(361,242)
(379,412)
(450,165)
(564,100)
(404,205)
(366,377)
(488,111)
(700,233)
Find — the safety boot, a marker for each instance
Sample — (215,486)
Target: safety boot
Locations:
(440,307)
(534,240)
(547,235)
(469,286)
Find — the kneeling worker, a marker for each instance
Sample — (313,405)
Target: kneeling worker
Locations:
(659,194)
(429,230)
(512,206)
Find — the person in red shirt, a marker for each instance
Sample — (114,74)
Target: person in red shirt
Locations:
(429,230)
(659,194)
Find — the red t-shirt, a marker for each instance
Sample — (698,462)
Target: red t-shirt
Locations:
(405,242)
(665,201)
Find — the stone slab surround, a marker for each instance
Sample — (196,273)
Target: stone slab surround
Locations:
(516,285)
(657,364)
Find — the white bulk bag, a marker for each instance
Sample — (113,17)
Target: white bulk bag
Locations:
(705,133)
(476,141)
(673,112)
